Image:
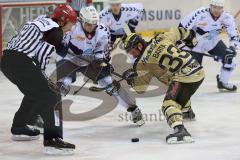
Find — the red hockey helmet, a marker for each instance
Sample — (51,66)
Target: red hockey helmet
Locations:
(64,13)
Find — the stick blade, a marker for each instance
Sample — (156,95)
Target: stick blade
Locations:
(96,89)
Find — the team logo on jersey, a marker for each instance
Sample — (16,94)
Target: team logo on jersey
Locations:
(88,51)
(80,38)
(119,31)
(203,24)
(225,26)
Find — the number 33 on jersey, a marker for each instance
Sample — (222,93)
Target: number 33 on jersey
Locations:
(163,60)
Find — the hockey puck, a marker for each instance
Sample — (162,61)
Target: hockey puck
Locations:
(135,139)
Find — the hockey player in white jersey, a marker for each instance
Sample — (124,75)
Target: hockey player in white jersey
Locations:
(90,39)
(208,21)
(118,14)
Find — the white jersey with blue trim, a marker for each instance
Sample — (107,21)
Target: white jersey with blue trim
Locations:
(128,12)
(81,43)
(201,21)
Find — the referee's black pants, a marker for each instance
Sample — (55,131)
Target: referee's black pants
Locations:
(39,96)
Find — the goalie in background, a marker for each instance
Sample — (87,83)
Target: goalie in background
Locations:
(209,21)
(161,58)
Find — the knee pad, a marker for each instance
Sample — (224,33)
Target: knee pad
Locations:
(228,59)
(114,85)
(114,89)
(106,81)
(172,112)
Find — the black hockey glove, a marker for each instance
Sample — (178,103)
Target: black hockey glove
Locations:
(129,75)
(99,64)
(191,40)
(98,69)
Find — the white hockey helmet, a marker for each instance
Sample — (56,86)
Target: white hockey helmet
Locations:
(219,3)
(114,1)
(89,15)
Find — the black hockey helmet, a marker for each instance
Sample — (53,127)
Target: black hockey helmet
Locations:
(132,41)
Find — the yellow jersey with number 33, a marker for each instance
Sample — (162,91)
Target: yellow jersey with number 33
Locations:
(163,60)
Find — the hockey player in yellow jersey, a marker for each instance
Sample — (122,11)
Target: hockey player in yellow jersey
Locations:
(161,58)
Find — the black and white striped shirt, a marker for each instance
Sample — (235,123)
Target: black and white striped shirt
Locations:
(29,40)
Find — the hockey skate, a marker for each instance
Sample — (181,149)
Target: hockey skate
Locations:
(179,136)
(137,117)
(189,115)
(57,146)
(225,86)
(25,133)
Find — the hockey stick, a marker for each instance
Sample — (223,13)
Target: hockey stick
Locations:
(98,89)
(116,45)
(199,39)
(75,92)
(127,31)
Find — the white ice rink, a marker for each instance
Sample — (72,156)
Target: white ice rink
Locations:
(216,130)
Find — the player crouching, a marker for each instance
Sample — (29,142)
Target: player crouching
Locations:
(161,58)
(90,39)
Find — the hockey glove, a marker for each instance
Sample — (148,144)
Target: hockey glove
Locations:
(191,40)
(129,75)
